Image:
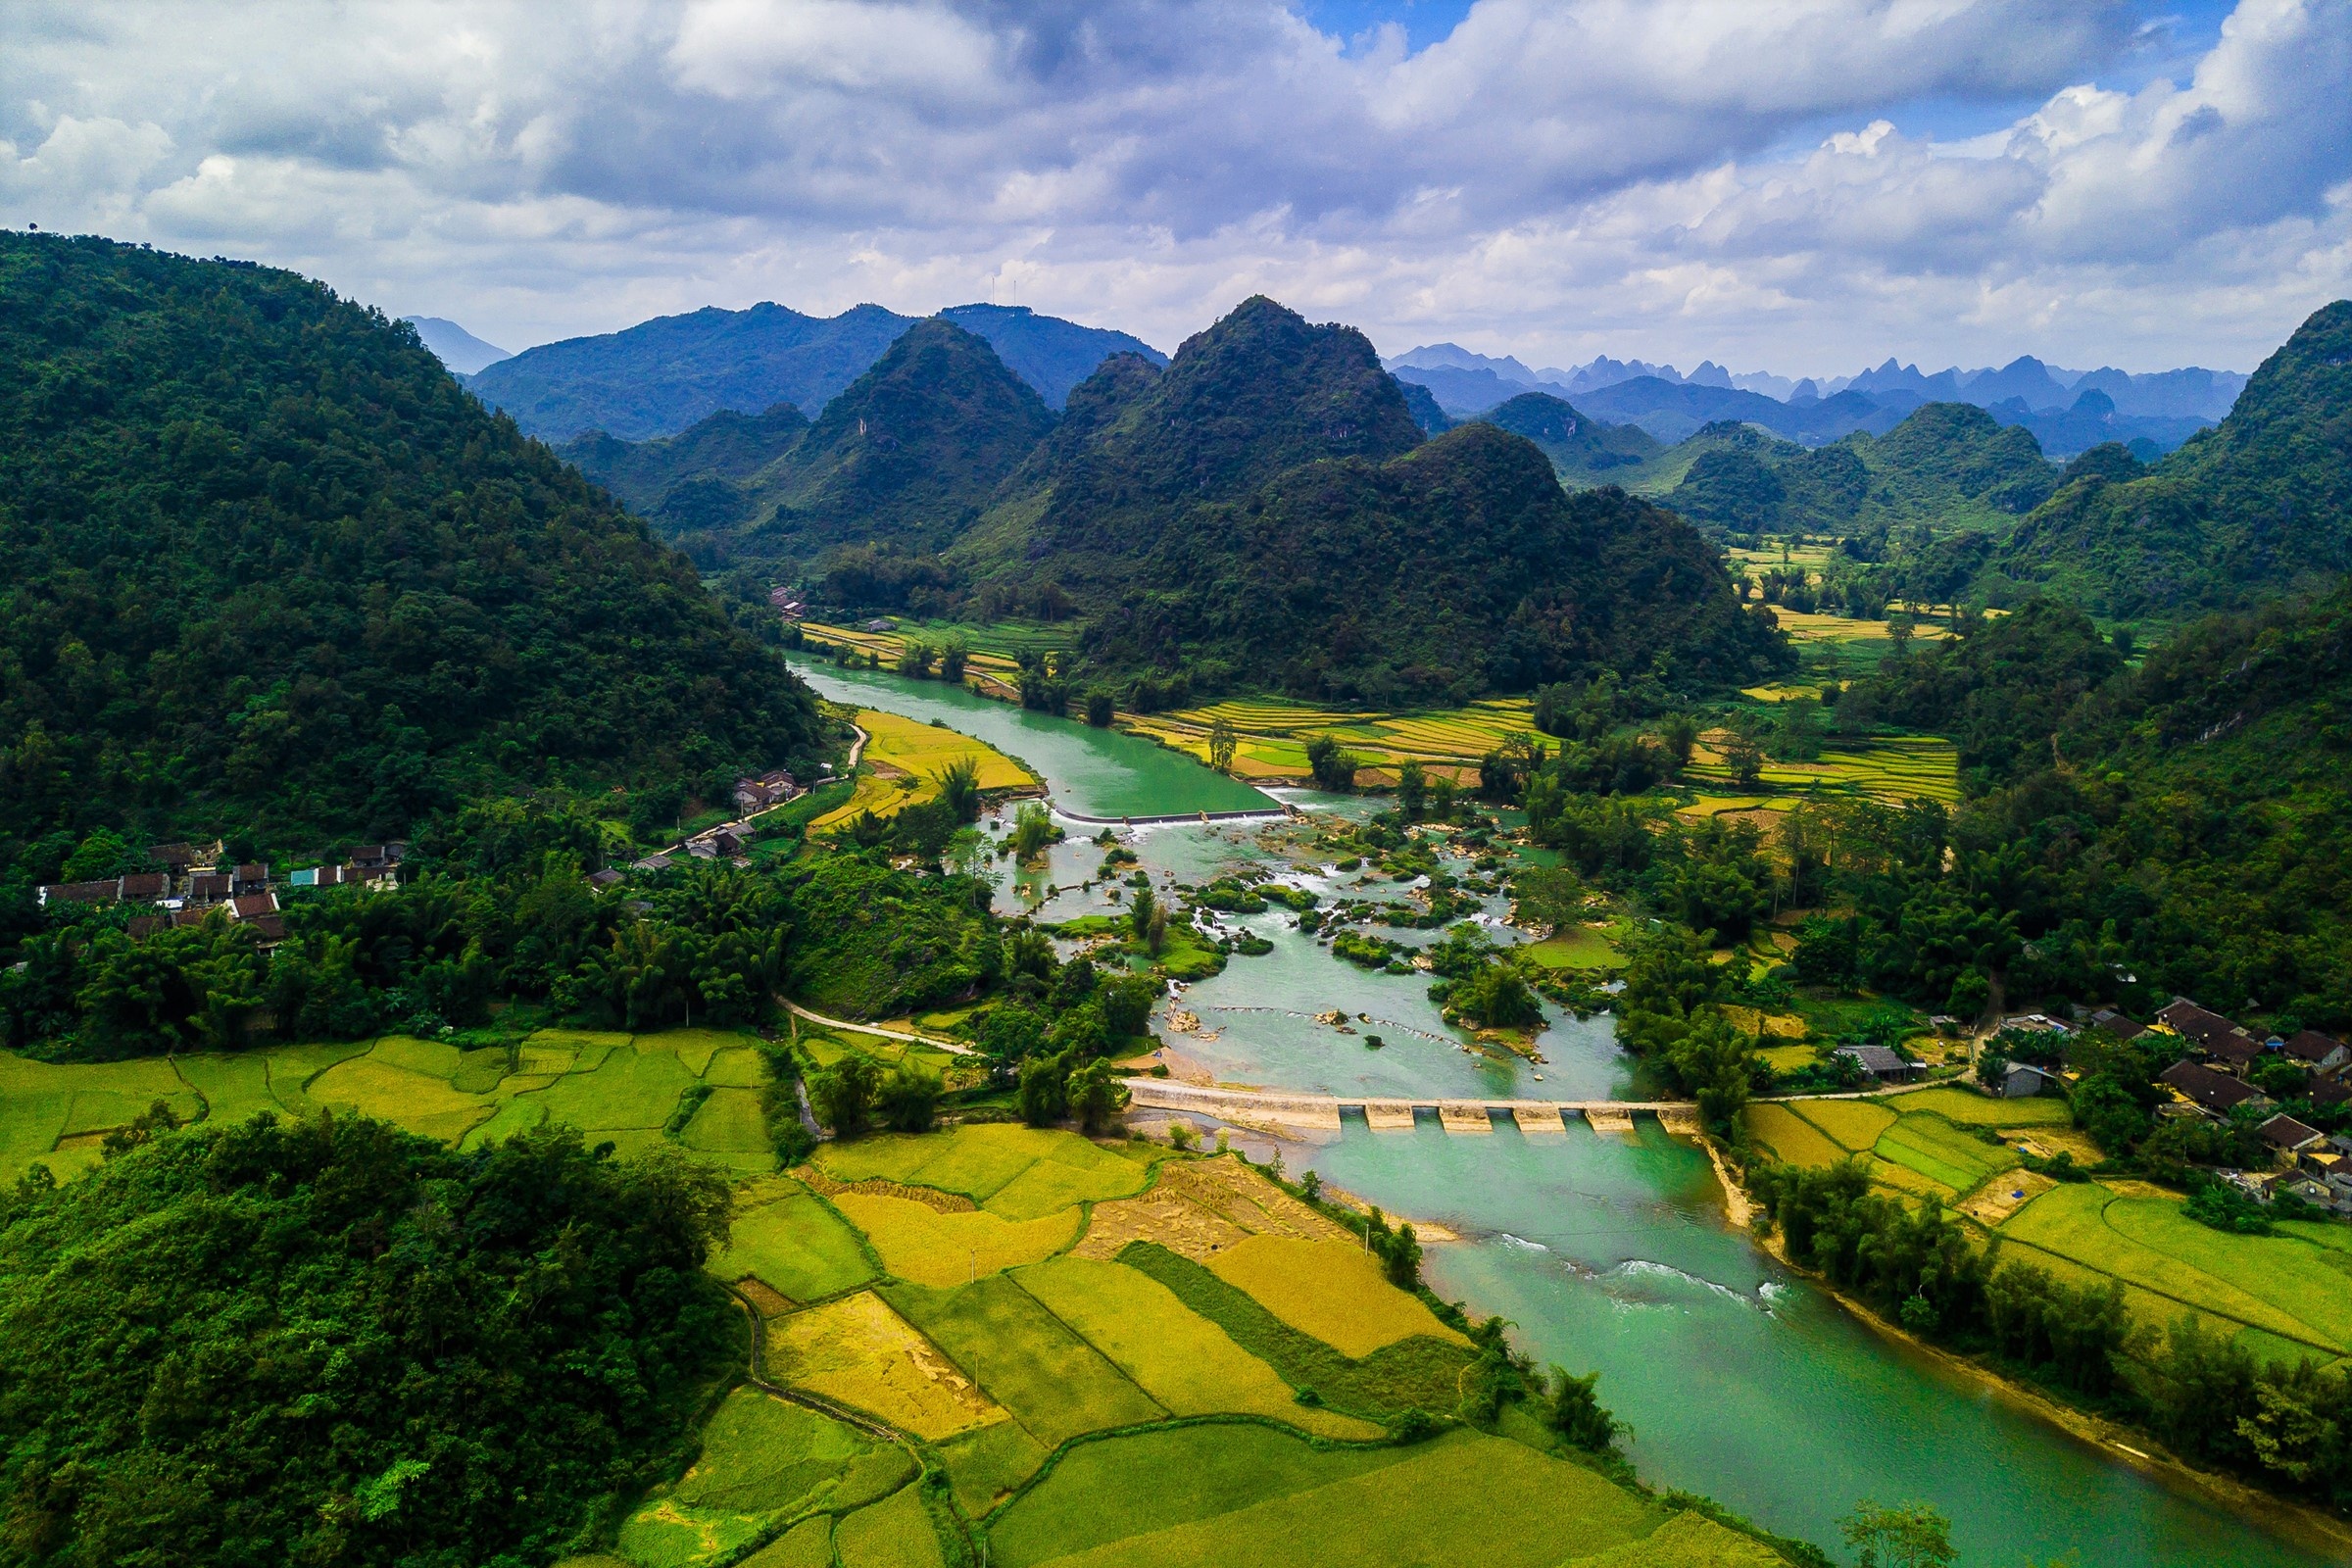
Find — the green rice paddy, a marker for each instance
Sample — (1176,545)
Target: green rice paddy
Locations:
(1025,1359)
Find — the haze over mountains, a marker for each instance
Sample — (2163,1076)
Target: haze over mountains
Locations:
(2068,410)
(660,376)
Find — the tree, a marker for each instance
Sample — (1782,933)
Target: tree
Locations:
(1332,769)
(1099,709)
(959,788)
(1140,910)
(1221,742)
(1412,791)
(908,1098)
(1032,830)
(1574,1410)
(1742,752)
(1095,1096)
(842,1095)
(1912,1536)
(951,657)
(1546,897)
(1043,1090)
(1679,735)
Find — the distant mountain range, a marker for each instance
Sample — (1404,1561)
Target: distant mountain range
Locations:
(2068,410)
(454,346)
(660,376)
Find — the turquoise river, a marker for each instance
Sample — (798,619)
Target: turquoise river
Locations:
(1740,1379)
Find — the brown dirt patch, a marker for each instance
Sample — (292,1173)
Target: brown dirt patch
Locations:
(1992,1202)
(929,1196)
(765,1298)
(1199,1207)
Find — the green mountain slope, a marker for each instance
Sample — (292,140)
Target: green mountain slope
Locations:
(265,569)
(1264,512)
(907,454)
(2259,504)
(1585,451)
(1948,467)
(727,448)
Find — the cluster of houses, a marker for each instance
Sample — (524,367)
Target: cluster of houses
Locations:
(2217,1081)
(729,840)
(191,883)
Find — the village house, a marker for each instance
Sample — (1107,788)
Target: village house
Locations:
(2022,1079)
(2216,1094)
(2291,1137)
(2319,1053)
(2111,1023)
(2231,1044)
(767,790)
(1880,1063)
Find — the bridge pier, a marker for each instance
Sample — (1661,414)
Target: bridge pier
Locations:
(1539,1121)
(1466,1117)
(1389,1116)
(1610,1120)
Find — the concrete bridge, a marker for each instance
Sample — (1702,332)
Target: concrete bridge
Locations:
(1321,1112)
(1270,813)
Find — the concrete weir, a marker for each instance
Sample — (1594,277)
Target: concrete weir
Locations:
(1462,1117)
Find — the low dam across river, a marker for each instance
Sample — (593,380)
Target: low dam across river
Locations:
(1466,1116)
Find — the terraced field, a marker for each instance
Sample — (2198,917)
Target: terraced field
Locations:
(1894,768)
(617,1087)
(1271,734)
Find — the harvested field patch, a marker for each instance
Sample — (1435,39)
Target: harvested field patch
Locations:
(1199,1207)
(893,1534)
(1177,1356)
(1688,1541)
(861,1353)
(1330,1290)
(1531,1512)
(989,1160)
(797,1246)
(1790,1138)
(1854,1124)
(877,1186)
(1995,1201)
(1196,1473)
(1025,1359)
(920,1244)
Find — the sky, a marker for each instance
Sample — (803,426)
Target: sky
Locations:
(1801,186)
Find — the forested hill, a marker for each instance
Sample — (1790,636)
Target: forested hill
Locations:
(266,570)
(2183,828)
(2259,504)
(1264,511)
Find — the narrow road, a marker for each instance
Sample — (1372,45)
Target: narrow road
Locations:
(958,1047)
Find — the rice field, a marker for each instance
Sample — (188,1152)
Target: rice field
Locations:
(1177,1356)
(1091,1498)
(1931,1146)
(922,1244)
(2283,1284)
(794,1244)
(1791,1138)
(1854,1124)
(985,1466)
(1584,947)
(859,1351)
(1530,1512)
(614,1085)
(902,763)
(1330,1290)
(1025,1359)
(763,1462)
(1891,768)
(1983,1110)
(895,1533)
(807,1545)
(1014,1172)
(1271,733)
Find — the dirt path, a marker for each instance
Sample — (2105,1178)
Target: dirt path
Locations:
(956,1047)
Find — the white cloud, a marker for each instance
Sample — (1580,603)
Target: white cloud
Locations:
(1555,179)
